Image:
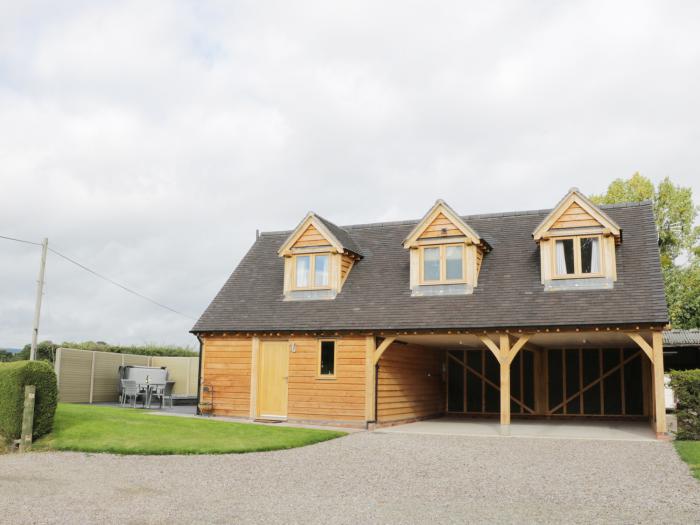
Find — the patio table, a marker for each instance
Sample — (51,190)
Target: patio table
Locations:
(149,388)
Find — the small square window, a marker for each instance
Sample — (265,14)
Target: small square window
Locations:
(327,359)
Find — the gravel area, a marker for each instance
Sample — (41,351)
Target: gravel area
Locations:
(361,478)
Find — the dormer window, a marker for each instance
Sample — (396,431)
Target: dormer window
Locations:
(443,264)
(577,257)
(318,257)
(445,254)
(311,272)
(577,245)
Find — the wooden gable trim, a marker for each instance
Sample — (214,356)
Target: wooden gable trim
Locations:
(441,208)
(577,198)
(300,230)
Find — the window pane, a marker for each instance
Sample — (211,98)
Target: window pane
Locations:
(302,271)
(327,358)
(565,256)
(431,264)
(453,255)
(321,270)
(590,255)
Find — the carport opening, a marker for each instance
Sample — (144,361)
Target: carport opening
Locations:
(602,377)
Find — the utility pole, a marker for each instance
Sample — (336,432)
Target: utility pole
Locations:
(39,295)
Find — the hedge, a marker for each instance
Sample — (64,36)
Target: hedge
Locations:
(686,387)
(13,378)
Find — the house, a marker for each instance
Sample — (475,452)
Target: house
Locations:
(551,313)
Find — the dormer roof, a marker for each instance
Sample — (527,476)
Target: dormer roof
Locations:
(576,211)
(339,239)
(449,224)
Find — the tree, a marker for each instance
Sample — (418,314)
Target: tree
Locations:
(673,208)
(675,215)
(45,351)
(683,295)
(5,355)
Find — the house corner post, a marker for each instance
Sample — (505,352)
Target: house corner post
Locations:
(658,379)
(370,382)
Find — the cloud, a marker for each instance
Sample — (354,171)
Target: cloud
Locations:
(149,141)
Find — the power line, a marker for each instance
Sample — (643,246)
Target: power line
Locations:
(20,240)
(93,272)
(115,283)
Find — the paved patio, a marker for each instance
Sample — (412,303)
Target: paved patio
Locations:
(566,429)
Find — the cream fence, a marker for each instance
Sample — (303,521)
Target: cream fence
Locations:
(86,376)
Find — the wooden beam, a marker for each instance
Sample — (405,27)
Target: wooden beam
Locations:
(520,343)
(491,346)
(637,338)
(658,379)
(382,348)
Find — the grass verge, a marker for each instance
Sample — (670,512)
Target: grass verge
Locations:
(689,451)
(89,428)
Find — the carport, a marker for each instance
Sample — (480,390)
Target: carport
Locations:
(588,382)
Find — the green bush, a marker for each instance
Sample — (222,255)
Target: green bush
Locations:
(686,386)
(13,378)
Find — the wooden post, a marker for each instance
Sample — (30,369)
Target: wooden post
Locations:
(659,397)
(370,381)
(655,353)
(505,381)
(27,418)
(57,369)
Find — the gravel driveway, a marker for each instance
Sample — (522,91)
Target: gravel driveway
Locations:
(361,478)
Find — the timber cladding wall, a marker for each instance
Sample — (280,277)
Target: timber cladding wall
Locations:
(338,399)
(410,383)
(226,371)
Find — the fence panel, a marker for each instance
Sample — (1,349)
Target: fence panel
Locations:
(180,371)
(86,376)
(105,383)
(74,375)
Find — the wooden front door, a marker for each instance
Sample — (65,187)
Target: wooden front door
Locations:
(272,380)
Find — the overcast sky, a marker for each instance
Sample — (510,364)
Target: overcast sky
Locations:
(149,140)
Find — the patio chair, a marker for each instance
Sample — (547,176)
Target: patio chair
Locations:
(165,392)
(130,390)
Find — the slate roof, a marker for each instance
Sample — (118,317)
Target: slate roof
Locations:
(674,338)
(342,235)
(376,294)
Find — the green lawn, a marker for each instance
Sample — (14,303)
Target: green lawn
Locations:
(129,431)
(689,452)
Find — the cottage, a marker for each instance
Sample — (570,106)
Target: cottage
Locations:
(551,313)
